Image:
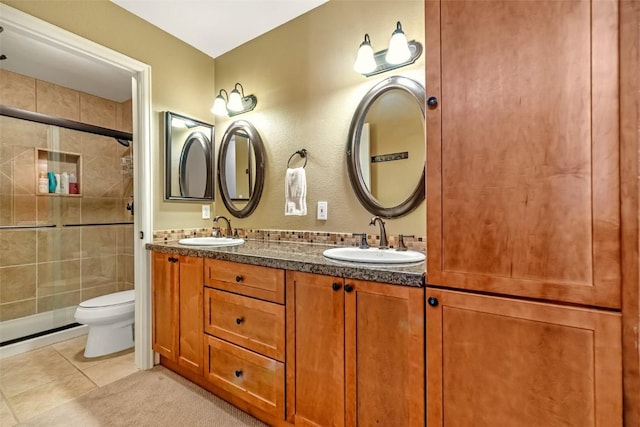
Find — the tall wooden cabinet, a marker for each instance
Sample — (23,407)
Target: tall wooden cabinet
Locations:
(355,352)
(523,202)
(523,148)
(177,309)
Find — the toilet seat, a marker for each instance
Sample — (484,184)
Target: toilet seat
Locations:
(110,319)
(118,298)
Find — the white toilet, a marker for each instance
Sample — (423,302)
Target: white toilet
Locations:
(110,320)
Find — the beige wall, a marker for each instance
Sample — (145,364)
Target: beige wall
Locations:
(307,93)
(182,77)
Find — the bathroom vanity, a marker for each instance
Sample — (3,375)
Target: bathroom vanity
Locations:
(290,336)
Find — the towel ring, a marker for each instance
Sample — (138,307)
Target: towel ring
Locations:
(302,153)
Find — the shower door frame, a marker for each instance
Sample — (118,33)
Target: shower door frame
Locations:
(59,38)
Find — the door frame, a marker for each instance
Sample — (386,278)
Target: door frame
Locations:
(59,38)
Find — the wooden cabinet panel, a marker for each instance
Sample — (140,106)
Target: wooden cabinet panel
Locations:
(164,309)
(191,352)
(503,362)
(248,322)
(359,345)
(384,354)
(522,149)
(315,322)
(254,378)
(250,280)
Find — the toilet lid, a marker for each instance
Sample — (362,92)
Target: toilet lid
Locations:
(111,299)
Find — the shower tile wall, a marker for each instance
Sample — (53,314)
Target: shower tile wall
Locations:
(48,268)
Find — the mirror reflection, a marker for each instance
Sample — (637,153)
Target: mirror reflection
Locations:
(386,148)
(392,147)
(188,158)
(241,168)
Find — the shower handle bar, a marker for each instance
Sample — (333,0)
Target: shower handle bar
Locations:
(18,227)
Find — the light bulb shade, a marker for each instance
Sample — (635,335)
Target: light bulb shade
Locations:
(235,101)
(219,106)
(365,61)
(398,51)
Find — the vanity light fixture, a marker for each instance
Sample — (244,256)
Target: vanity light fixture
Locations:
(365,62)
(219,107)
(236,102)
(400,53)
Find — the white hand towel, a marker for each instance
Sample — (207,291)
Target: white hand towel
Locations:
(295,192)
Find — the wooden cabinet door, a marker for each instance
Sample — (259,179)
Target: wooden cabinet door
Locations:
(191,346)
(315,350)
(523,148)
(384,354)
(503,362)
(164,308)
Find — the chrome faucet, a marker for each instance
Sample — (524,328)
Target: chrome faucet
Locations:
(229,230)
(383,233)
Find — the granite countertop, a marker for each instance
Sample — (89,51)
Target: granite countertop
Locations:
(305,257)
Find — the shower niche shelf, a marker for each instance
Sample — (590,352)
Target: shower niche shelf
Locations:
(58,162)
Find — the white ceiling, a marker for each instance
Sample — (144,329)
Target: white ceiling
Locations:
(211,26)
(217,26)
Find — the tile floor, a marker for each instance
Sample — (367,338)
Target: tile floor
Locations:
(36,381)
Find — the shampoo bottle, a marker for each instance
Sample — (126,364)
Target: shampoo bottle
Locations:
(57,175)
(43,183)
(64,183)
(52,182)
(73,183)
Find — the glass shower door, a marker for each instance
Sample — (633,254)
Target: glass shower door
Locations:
(62,247)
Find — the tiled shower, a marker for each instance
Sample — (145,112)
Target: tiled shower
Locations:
(57,250)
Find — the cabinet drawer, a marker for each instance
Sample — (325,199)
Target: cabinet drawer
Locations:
(254,378)
(251,323)
(251,280)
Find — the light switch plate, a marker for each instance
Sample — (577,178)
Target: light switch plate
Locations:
(206,212)
(322,210)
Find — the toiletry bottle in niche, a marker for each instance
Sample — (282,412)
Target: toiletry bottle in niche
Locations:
(52,182)
(73,183)
(57,175)
(43,183)
(64,183)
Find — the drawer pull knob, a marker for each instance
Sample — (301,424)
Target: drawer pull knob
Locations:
(348,288)
(239,320)
(238,374)
(433,301)
(172,259)
(239,279)
(336,286)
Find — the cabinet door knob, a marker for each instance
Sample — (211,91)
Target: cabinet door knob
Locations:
(336,286)
(238,374)
(348,288)
(239,320)
(433,301)
(239,279)
(432,102)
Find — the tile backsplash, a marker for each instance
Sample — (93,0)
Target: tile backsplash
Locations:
(313,237)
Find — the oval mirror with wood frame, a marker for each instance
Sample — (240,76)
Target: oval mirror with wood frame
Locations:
(386,148)
(241,168)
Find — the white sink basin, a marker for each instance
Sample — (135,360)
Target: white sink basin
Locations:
(374,255)
(211,241)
